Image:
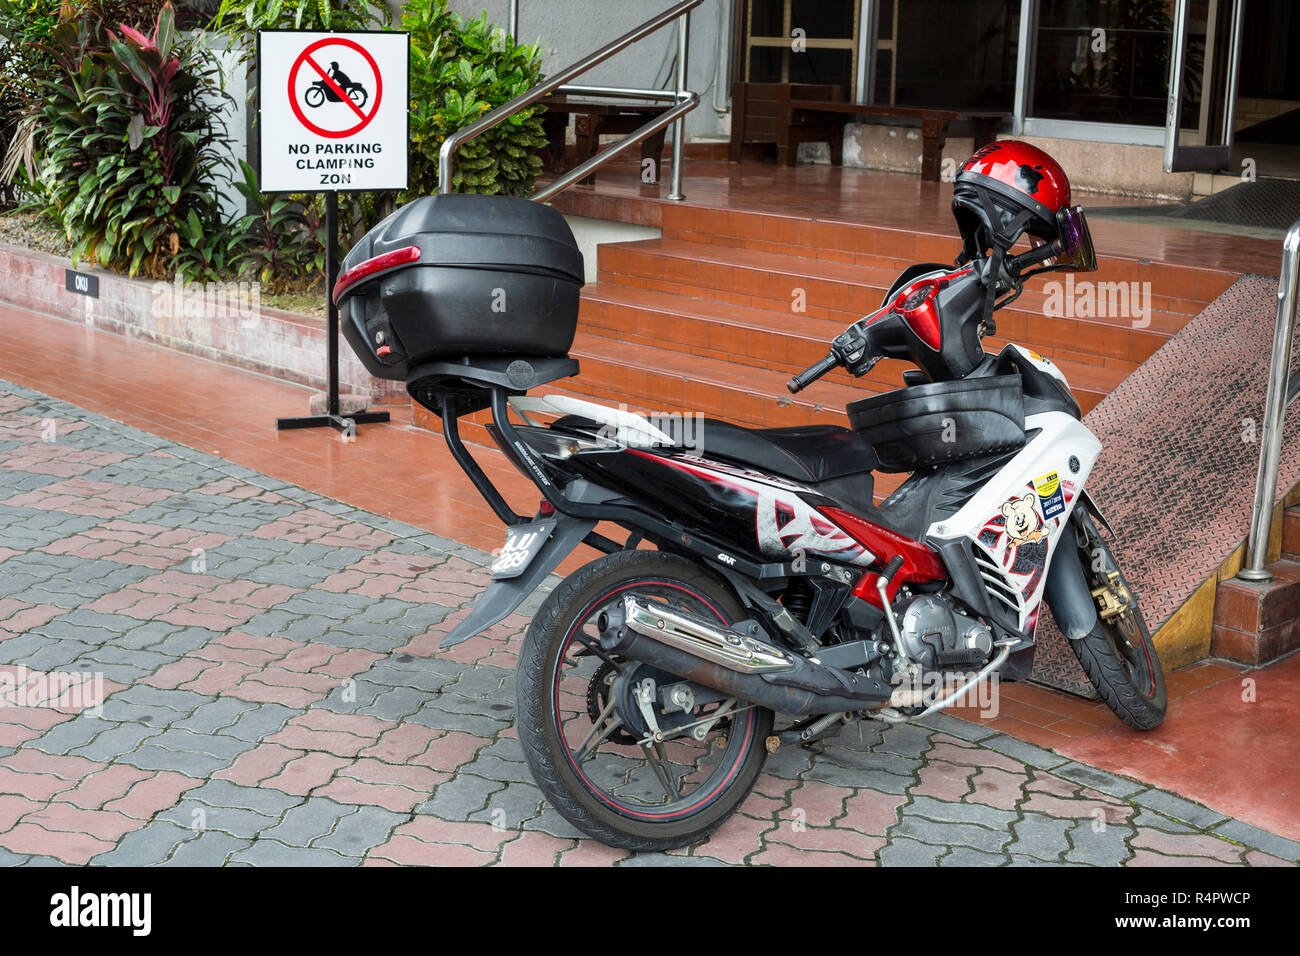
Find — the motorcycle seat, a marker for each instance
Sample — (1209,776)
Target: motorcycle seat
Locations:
(805,453)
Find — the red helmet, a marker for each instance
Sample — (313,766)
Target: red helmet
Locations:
(1005,190)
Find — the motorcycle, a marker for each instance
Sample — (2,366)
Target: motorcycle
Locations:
(320,92)
(759,577)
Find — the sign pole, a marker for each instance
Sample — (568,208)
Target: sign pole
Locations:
(332,310)
(331,121)
(332,416)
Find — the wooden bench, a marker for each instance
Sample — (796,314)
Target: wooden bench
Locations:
(761,113)
(593,119)
(792,117)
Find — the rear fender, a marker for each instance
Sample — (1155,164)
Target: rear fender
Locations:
(502,597)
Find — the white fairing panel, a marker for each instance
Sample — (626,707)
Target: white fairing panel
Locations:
(1015,521)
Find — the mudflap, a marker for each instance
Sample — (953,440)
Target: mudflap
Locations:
(502,597)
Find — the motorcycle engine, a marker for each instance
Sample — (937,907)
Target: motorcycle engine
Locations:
(938,636)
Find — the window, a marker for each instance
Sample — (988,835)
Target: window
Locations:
(824,52)
(1102,61)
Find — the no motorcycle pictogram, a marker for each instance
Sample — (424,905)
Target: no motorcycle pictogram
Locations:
(332,110)
(334,96)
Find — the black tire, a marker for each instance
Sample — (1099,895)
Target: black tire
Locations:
(358,96)
(542,726)
(314,97)
(1124,667)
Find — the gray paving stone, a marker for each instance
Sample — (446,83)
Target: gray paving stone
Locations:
(150,757)
(549,821)
(1099,844)
(359,832)
(663,859)
(433,715)
(1240,832)
(273,853)
(312,819)
(1155,821)
(264,800)
(209,848)
(216,745)
(1024,752)
(149,845)
(512,807)
(950,834)
(215,715)
(965,856)
(908,740)
(1098,780)
(1039,836)
(201,817)
(946,812)
(1171,806)
(460,797)
(182,702)
(904,852)
(8,858)
(45,654)
(116,740)
(68,736)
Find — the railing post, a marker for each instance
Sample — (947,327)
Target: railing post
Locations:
(679,128)
(514,20)
(1270,450)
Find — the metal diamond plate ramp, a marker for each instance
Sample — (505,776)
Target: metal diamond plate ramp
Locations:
(1176,478)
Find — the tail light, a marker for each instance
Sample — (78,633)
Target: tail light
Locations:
(380,263)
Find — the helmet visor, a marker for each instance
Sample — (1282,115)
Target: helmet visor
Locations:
(1077,252)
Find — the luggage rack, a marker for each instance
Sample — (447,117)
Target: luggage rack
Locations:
(454,389)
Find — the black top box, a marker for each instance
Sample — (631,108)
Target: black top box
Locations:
(451,276)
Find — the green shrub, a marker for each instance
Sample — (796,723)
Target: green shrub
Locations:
(459,71)
(282,239)
(240,20)
(132,162)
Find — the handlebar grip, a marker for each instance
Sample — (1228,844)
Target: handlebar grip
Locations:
(812,373)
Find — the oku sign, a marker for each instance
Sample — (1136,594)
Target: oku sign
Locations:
(332,109)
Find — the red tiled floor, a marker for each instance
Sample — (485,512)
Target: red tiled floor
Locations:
(1232,746)
(391,469)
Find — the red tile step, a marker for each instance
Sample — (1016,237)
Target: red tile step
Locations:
(774,284)
(780,343)
(1291,533)
(1258,623)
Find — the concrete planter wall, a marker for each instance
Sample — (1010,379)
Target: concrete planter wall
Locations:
(281,344)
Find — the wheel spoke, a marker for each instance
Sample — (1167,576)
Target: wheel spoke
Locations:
(598,734)
(663,769)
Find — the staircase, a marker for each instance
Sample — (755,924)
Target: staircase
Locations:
(714,316)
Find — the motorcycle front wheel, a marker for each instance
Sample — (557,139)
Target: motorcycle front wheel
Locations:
(584,735)
(314,96)
(1118,656)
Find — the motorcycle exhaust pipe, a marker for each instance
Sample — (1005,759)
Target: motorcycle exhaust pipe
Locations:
(733,660)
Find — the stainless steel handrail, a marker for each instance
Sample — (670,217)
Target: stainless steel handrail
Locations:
(685,102)
(1275,402)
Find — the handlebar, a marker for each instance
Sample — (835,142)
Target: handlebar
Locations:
(813,372)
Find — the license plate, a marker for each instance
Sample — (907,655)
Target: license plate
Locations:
(523,541)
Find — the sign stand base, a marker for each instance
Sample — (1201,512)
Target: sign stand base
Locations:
(331,416)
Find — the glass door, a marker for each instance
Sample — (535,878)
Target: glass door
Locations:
(1202,85)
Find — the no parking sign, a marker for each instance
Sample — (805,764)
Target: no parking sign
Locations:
(332,110)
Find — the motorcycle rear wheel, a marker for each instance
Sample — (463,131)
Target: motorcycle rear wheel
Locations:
(1119,656)
(608,790)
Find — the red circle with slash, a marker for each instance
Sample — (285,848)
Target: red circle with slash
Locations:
(305,59)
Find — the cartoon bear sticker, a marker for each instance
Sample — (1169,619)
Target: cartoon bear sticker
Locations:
(1022,522)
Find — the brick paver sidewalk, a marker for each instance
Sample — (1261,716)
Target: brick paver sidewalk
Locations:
(274,696)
